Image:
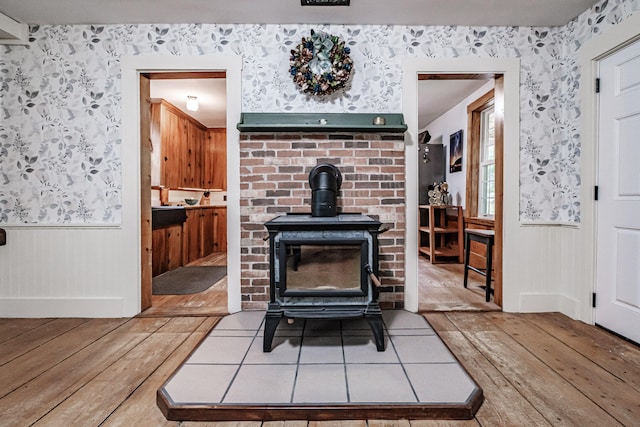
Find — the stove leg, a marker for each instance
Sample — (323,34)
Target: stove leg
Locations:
(376,325)
(271,322)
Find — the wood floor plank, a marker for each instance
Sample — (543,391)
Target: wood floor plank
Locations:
(504,405)
(538,383)
(33,400)
(439,321)
(11,328)
(292,423)
(608,391)
(103,394)
(221,424)
(35,337)
(388,423)
(617,356)
(23,369)
(140,408)
(444,423)
(473,321)
(344,423)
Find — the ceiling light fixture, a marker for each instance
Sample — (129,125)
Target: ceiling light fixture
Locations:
(192,103)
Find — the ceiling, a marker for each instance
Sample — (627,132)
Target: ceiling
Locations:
(441,95)
(211,93)
(382,12)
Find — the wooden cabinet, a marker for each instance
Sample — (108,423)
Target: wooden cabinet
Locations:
(220,227)
(440,233)
(183,144)
(215,159)
(191,242)
(166,249)
(205,232)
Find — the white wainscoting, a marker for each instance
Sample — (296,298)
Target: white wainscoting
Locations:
(69,272)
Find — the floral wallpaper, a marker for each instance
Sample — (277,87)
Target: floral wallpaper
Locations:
(60,136)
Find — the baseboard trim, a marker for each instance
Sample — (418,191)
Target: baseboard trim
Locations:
(61,307)
(542,303)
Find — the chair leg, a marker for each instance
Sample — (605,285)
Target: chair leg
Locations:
(489,267)
(467,253)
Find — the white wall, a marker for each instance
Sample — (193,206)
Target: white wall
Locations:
(447,124)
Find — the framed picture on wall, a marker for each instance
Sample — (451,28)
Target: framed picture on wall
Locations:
(455,152)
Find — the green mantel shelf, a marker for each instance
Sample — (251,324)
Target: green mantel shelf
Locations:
(321,122)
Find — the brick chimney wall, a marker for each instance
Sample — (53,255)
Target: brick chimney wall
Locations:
(274,173)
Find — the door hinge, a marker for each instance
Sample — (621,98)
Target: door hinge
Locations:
(593,300)
(598,85)
(595,192)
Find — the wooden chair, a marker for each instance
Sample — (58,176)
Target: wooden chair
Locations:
(486,237)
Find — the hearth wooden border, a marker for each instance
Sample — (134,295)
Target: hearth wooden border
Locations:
(222,412)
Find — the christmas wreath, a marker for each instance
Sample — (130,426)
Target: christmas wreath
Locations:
(320,64)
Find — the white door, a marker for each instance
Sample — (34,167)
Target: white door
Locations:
(618,206)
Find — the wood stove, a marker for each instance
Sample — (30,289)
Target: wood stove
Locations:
(323,265)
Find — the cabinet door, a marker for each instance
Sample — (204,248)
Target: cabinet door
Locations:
(207,231)
(173,137)
(158,251)
(191,235)
(192,169)
(220,226)
(215,159)
(174,247)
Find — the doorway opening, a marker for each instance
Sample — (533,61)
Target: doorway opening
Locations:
(451,107)
(184,171)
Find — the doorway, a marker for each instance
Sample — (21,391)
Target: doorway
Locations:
(187,147)
(505,296)
(452,105)
(136,169)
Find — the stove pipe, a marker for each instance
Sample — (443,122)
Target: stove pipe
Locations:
(325,180)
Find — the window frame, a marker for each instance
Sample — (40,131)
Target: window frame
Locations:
(474,119)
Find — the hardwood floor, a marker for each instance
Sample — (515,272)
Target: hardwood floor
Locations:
(212,302)
(535,370)
(441,288)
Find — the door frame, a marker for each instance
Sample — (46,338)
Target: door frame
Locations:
(592,52)
(132,67)
(510,69)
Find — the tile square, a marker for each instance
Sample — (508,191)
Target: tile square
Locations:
(421,349)
(283,350)
(440,383)
(362,349)
(229,350)
(318,349)
(258,384)
(200,383)
(244,320)
(402,319)
(355,324)
(320,384)
(411,332)
(378,383)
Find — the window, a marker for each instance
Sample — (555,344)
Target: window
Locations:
(481,157)
(487,169)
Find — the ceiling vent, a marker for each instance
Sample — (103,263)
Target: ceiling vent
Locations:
(325,2)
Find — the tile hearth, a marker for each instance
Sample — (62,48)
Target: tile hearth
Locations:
(320,369)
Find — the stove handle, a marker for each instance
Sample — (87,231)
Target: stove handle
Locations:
(372,276)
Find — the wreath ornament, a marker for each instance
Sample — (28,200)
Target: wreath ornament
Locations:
(320,64)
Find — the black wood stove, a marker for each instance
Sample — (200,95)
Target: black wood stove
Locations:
(323,264)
